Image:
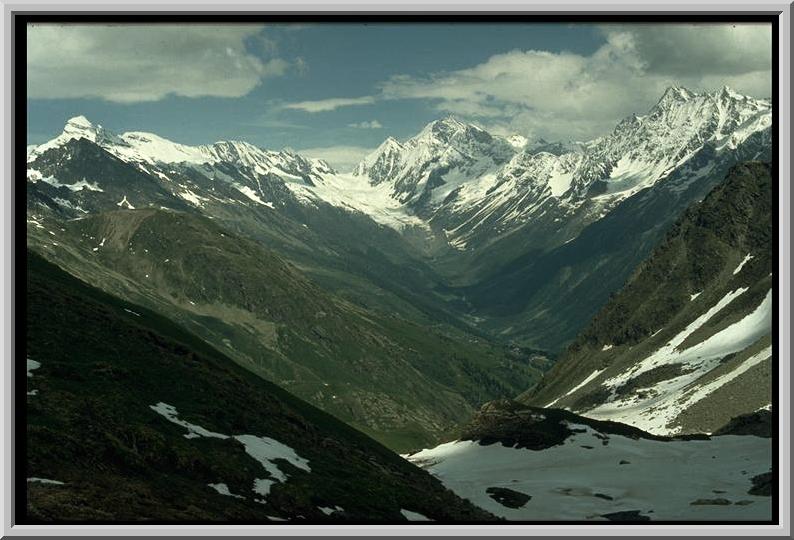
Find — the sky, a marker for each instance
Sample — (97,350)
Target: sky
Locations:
(336,91)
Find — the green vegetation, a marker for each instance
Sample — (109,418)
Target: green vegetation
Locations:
(105,361)
(406,383)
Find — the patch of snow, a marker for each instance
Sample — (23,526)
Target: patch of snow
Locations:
(124,203)
(693,296)
(66,203)
(665,401)
(263,449)
(606,347)
(32,365)
(169,412)
(691,397)
(133,312)
(414,516)
(251,194)
(191,197)
(77,186)
(262,487)
(587,379)
(45,481)
(223,489)
(741,264)
(330,510)
(266,451)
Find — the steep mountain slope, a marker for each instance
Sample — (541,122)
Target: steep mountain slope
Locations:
(129,418)
(520,239)
(687,343)
(544,298)
(530,464)
(254,192)
(474,188)
(541,241)
(402,382)
(420,171)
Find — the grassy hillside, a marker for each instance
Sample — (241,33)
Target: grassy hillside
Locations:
(404,383)
(96,367)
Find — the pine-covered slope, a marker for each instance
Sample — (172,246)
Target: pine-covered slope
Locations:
(402,382)
(686,345)
(130,418)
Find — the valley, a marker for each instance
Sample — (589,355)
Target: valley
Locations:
(528,323)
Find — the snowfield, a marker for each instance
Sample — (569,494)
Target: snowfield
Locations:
(589,476)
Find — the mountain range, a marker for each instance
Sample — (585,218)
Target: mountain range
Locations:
(490,232)
(614,292)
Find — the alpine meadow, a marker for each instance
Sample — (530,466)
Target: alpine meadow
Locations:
(383,273)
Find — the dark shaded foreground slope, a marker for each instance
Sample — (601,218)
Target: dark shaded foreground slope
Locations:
(129,418)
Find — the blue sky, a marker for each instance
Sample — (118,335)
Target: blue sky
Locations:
(336,91)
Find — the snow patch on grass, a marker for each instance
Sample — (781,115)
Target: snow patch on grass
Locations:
(414,516)
(223,489)
(587,379)
(169,412)
(330,510)
(266,451)
(263,449)
(124,203)
(32,365)
(45,481)
(741,264)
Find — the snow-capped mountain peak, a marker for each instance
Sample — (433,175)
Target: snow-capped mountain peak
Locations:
(444,130)
(676,94)
(465,180)
(79,123)
(446,147)
(149,149)
(77,127)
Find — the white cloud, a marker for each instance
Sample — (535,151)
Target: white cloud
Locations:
(371,124)
(342,158)
(566,95)
(324,105)
(132,63)
(713,49)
